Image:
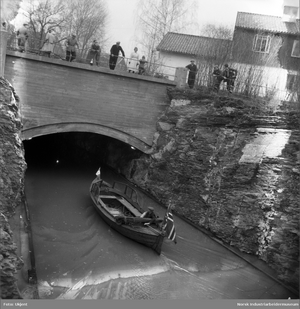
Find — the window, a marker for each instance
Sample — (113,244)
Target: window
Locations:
(292,82)
(296,49)
(261,43)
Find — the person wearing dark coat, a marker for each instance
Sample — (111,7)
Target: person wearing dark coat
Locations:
(94,54)
(229,75)
(192,73)
(217,75)
(114,54)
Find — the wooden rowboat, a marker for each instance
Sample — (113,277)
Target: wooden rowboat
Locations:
(118,206)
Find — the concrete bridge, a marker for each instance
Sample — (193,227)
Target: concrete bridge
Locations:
(58,96)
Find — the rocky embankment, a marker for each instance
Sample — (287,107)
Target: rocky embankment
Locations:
(12,169)
(231,166)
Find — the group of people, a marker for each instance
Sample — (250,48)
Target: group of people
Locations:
(134,63)
(228,76)
(48,44)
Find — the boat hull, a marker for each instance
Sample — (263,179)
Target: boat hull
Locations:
(149,236)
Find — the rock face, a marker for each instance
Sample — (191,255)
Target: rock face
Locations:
(12,169)
(231,166)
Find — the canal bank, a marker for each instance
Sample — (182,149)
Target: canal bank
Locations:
(230,165)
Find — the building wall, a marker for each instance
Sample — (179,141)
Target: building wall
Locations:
(171,61)
(251,79)
(261,80)
(243,44)
(285,52)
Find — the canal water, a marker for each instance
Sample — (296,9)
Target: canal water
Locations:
(78,256)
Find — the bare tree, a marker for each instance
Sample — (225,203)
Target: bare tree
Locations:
(42,16)
(157,17)
(216,46)
(87,20)
(217,32)
(254,69)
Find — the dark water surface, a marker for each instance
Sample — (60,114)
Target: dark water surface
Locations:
(78,256)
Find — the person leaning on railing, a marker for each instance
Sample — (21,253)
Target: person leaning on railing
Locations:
(114,54)
(142,63)
(94,53)
(71,50)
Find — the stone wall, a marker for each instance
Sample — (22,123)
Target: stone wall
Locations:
(12,169)
(231,166)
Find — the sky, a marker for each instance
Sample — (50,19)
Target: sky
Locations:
(122,17)
(122,21)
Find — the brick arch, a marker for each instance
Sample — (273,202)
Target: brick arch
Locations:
(86,127)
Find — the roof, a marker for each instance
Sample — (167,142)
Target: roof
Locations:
(267,23)
(190,44)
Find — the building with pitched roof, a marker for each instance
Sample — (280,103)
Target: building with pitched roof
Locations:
(178,49)
(265,50)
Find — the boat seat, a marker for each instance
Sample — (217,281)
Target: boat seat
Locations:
(103,205)
(130,207)
(108,196)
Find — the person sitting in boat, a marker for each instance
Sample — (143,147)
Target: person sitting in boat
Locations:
(151,215)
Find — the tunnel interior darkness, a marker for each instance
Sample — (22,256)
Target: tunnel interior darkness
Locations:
(77,148)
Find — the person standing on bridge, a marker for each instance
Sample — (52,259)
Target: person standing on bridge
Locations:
(94,53)
(71,50)
(22,34)
(142,63)
(114,54)
(48,46)
(133,61)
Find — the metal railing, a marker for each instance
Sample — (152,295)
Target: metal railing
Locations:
(34,46)
(204,77)
(245,89)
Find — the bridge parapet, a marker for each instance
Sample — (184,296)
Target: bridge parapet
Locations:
(58,96)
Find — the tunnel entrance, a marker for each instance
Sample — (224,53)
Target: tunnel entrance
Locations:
(78,149)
